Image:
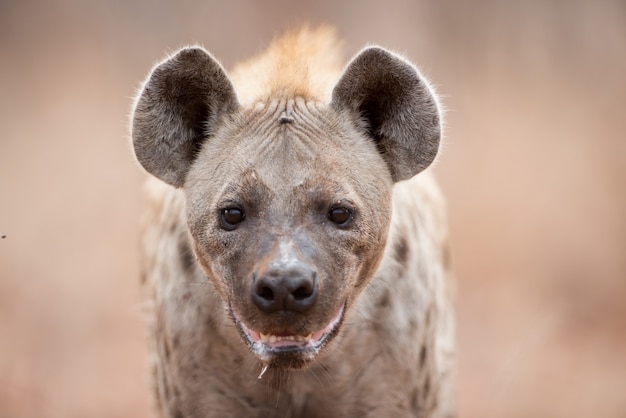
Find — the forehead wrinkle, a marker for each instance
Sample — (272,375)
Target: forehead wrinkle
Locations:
(282,155)
(265,132)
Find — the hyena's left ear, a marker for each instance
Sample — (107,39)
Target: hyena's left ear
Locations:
(183,100)
(396,103)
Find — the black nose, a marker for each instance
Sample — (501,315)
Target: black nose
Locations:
(294,289)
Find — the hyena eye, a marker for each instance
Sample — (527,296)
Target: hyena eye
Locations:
(340,215)
(230,218)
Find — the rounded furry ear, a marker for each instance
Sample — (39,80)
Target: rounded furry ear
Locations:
(396,103)
(183,99)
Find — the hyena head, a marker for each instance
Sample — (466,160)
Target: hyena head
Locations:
(289,198)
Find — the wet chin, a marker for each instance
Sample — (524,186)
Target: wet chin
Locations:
(289,351)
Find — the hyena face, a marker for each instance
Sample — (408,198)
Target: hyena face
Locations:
(288,200)
(289,210)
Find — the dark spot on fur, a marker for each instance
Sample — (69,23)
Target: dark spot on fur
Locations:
(285,119)
(384,300)
(166,389)
(249,401)
(422,356)
(415,400)
(428,318)
(210,322)
(194,373)
(178,414)
(447,258)
(187,258)
(166,350)
(426,387)
(155,385)
(402,250)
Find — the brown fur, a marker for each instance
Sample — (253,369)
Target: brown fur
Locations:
(286,142)
(301,64)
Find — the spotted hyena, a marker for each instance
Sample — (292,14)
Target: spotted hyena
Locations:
(295,264)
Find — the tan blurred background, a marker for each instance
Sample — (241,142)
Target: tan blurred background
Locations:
(534,169)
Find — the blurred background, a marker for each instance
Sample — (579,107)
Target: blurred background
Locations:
(534,170)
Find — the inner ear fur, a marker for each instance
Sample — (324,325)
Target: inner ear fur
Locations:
(183,99)
(398,107)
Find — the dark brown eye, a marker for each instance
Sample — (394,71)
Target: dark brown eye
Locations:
(231,217)
(340,215)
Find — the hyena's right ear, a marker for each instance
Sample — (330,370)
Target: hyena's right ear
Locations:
(181,102)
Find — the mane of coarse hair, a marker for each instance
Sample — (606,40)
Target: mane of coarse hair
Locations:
(302,63)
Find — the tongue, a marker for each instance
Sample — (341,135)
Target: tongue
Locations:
(286,343)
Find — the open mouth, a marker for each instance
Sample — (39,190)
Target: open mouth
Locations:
(298,349)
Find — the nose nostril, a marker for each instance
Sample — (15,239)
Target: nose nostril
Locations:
(266,293)
(303,292)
